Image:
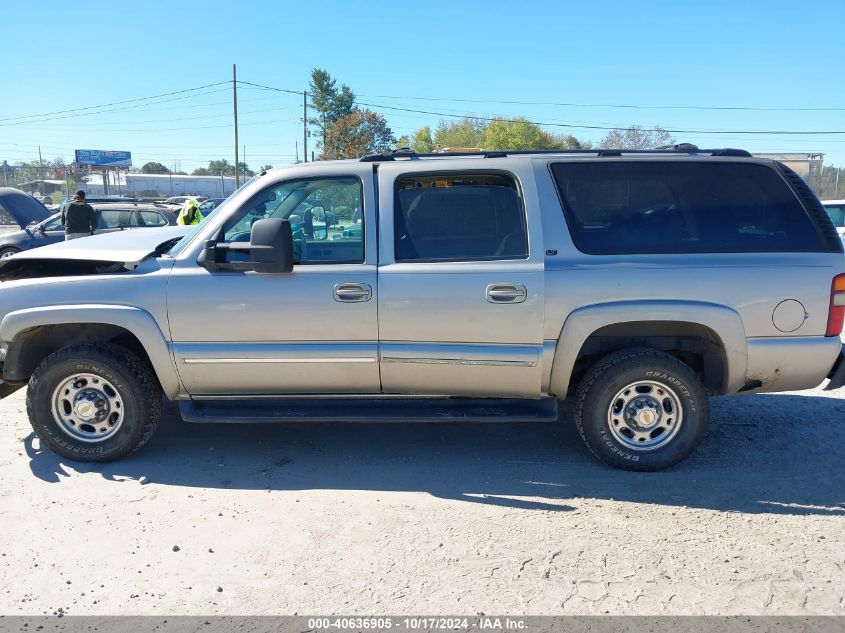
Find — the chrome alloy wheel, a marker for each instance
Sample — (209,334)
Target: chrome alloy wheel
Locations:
(87,408)
(645,415)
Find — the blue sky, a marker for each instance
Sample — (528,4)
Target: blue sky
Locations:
(760,54)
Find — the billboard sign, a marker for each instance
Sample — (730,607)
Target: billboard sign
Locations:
(101,158)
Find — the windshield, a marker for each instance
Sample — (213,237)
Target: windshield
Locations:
(179,246)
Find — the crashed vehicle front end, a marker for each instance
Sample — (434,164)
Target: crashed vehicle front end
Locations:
(53,288)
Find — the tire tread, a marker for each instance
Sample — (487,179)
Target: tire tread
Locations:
(116,355)
(598,371)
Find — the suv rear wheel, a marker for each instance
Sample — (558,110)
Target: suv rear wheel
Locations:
(93,402)
(641,409)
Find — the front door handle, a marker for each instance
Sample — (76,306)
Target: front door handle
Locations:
(352,293)
(506,293)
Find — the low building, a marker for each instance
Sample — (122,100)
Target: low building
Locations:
(159,185)
(806,164)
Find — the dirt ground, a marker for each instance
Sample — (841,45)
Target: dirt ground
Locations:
(431,519)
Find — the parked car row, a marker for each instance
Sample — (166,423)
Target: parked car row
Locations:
(30,224)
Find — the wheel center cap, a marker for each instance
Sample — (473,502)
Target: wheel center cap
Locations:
(85,410)
(646,418)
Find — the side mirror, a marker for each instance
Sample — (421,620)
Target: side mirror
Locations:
(271,246)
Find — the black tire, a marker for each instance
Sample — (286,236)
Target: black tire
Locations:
(8,251)
(133,379)
(602,391)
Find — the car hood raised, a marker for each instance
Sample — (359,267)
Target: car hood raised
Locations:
(126,247)
(23,208)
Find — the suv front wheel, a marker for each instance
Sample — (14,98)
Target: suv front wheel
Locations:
(93,402)
(641,409)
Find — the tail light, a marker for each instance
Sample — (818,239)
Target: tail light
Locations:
(836,315)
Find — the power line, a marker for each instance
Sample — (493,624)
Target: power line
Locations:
(114,103)
(120,109)
(599,127)
(293,92)
(568,125)
(193,118)
(609,105)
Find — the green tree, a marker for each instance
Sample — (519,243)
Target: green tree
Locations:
(635,137)
(422,142)
(154,168)
(512,134)
(330,102)
(216,167)
(357,134)
(561,141)
(464,133)
(403,141)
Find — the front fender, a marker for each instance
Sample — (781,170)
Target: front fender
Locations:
(139,322)
(581,323)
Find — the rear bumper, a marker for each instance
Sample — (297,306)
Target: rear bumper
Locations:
(837,374)
(791,363)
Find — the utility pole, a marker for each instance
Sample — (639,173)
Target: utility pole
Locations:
(304,127)
(40,170)
(296,146)
(235,102)
(244,161)
(6,172)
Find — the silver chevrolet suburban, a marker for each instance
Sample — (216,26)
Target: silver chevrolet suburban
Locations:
(472,287)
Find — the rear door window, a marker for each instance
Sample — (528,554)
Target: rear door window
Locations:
(627,207)
(458,217)
(152,218)
(114,219)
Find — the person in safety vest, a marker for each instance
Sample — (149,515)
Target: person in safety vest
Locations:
(190,213)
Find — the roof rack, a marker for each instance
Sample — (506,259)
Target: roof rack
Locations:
(681,148)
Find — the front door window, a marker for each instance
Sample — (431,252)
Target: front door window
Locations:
(322,215)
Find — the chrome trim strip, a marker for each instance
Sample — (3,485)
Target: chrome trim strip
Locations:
(459,361)
(227,361)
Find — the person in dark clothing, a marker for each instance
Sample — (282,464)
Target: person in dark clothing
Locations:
(78,218)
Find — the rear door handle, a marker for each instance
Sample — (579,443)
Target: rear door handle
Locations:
(506,293)
(352,293)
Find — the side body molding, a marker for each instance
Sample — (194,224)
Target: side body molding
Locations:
(137,321)
(581,323)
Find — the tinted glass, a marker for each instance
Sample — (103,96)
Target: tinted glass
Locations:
(113,219)
(458,217)
(152,218)
(622,207)
(836,213)
(322,213)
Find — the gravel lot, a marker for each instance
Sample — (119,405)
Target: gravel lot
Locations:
(428,519)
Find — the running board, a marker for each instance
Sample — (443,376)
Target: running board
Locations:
(358,410)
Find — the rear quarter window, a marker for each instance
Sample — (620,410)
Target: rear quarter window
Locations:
(627,207)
